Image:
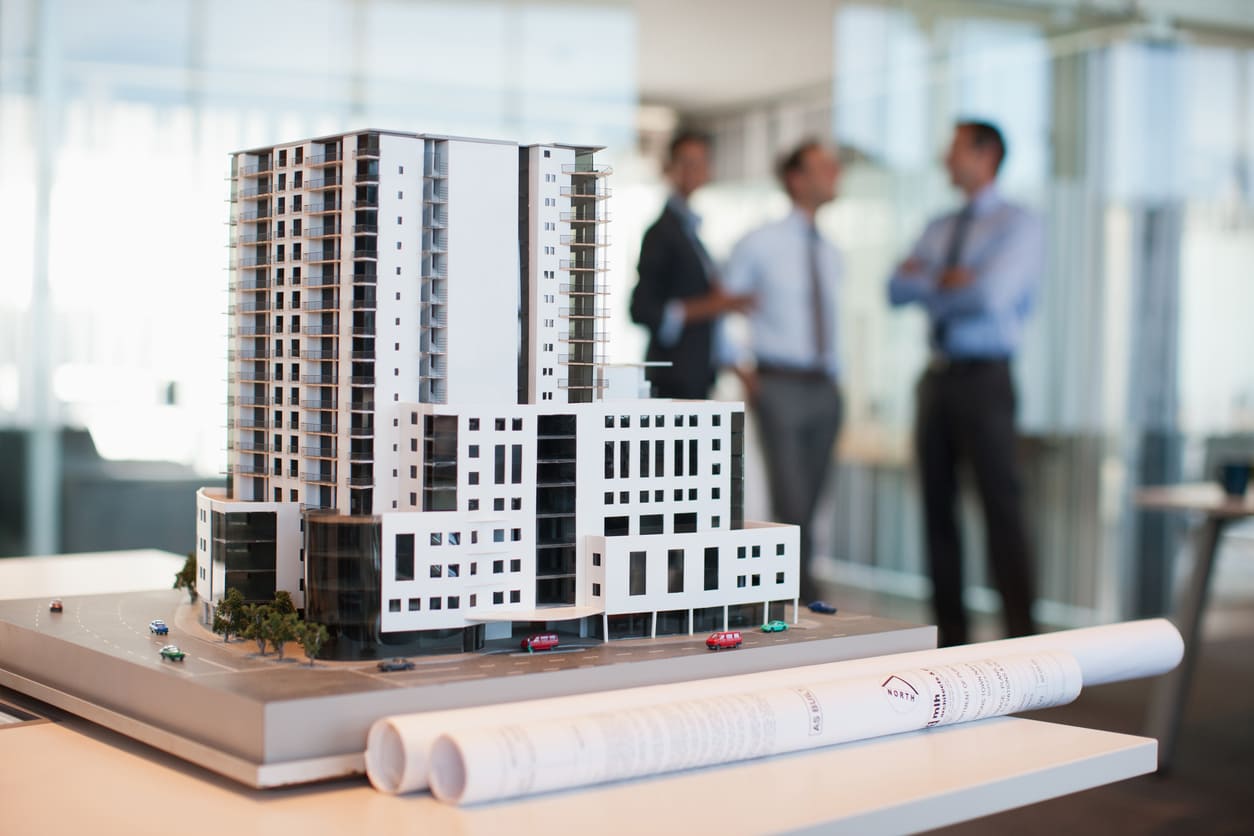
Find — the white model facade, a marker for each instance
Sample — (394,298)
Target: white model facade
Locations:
(424,437)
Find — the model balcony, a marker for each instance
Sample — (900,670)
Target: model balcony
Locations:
(251,374)
(588,289)
(361,405)
(326,451)
(254,260)
(251,284)
(325,280)
(327,158)
(365,229)
(364,254)
(596,337)
(366,203)
(258,237)
(588,169)
(249,305)
(319,427)
(326,302)
(363,330)
(584,241)
(323,207)
(578,312)
(319,379)
(583,217)
(318,477)
(250,331)
(254,215)
(366,178)
(330,180)
(249,446)
(321,404)
(323,230)
(360,431)
(564,383)
(582,266)
(584,359)
(367,152)
(367,304)
(255,169)
(586,191)
(252,469)
(321,256)
(248,354)
(320,330)
(360,481)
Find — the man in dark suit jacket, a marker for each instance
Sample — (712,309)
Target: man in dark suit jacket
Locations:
(678,297)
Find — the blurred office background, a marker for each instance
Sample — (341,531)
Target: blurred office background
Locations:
(1131,129)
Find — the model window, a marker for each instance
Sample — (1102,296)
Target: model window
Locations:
(436,538)
(515,596)
(515,565)
(596,558)
(609,497)
(515,534)
(740,581)
(474,451)
(498,504)
(437,571)
(454,602)
(415,604)
(757,580)
(498,535)
(498,597)
(433,602)
(473,424)
(515,503)
(454,538)
(757,551)
(596,590)
(498,566)
(636,573)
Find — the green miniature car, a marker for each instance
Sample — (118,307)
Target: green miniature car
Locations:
(172,652)
(775,626)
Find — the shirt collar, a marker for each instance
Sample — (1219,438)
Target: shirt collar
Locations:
(680,207)
(802,221)
(985,200)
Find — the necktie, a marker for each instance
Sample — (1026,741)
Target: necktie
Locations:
(953,254)
(816,300)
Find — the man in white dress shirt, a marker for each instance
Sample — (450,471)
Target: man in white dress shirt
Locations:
(793,273)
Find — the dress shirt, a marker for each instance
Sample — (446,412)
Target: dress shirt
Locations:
(773,264)
(672,325)
(1004,248)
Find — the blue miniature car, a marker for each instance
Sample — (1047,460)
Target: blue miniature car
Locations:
(396,664)
(775,626)
(158,626)
(822,606)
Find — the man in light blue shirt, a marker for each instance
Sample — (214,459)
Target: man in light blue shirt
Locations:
(975,272)
(793,275)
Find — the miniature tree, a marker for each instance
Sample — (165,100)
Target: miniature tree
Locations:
(228,616)
(255,616)
(282,602)
(186,577)
(280,628)
(311,638)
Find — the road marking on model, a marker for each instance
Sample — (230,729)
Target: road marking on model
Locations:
(217,664)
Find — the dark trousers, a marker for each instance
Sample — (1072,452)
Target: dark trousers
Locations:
(798,418)
(966,411)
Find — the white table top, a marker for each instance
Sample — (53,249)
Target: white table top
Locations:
(74,777)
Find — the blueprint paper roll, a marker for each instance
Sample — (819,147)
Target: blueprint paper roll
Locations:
(398,748)
(491,763)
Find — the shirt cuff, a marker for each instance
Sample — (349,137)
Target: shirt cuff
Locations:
(672,324)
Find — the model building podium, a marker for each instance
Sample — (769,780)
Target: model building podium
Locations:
(427,447)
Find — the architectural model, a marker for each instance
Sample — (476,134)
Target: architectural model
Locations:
(426,445)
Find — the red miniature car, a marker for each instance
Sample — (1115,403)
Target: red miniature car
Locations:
(723,639)
(540,641)
(55,605)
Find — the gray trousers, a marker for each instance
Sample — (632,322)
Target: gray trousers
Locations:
(798,419)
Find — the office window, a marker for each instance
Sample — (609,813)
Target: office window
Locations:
(437,538)
(679,457)
(498,566)
(679,494)
(644,496)
(636,573)
(609,497)
(515,503)
(715,493)
(473,424)
(624,497)
(515,596)
(433,603)
(659,495)
(711,568)
(454,538)
(692,456)
(757,551)
(472,505)
(473,477)
(453,570)
(517,424)
(474,600)
(624,459)
(596,590)
(500,425)
(716,444)
(740,553)
(616,526)
(609,459)
(413,499)
(685,523)
(473,452)
(715,522)
(692,494)
(757,580)
(515,474)
(779,548)
(415,604)
(498,454)
(596,558)
(644,459)
(779,577)
(404,557)
(498,597)
(651,524)
(454,602)
(394,605)
(498,535)
(498,504)
(675,570)
(515,564)
(437,571)
(644,421)
(740,581)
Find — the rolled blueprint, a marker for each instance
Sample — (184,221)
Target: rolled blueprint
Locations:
(398,748)
(489,763)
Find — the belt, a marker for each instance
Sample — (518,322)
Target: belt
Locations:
(940,363)
(795,372)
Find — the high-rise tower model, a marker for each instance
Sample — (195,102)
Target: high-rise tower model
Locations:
(426,446)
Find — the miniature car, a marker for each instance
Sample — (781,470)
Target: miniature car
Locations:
(55,605)
(158,626)
(775,626)
(396,664)
(171,652)
(540,641)
(821,606)
(724,639)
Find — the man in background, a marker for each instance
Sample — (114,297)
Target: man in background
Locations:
(678,297)
(792,273)
(975,271)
